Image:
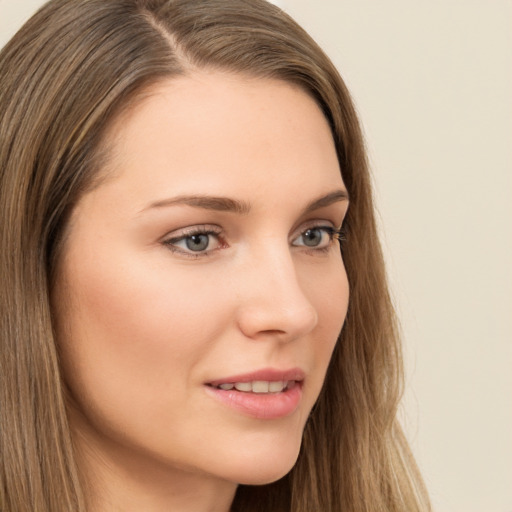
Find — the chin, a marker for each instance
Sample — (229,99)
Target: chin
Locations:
(266,467)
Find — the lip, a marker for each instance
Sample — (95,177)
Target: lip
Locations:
(260,406)
(269,374)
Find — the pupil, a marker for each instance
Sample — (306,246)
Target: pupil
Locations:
(197,242)
(312,237)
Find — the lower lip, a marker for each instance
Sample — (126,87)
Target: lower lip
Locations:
(265,406)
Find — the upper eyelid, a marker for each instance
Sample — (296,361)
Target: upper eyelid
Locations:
(192,230)
(218,230)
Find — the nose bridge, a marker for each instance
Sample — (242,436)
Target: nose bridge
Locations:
(273,299)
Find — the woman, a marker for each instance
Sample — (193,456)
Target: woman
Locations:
(175,174)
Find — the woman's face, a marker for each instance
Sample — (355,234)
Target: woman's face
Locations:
(201,290)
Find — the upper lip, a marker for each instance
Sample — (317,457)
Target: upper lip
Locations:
(265,374)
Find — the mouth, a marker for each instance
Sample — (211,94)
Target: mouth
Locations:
(265,394)
(258,386)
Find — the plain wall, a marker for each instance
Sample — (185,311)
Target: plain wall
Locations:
(432,82)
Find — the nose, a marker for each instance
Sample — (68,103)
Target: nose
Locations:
(272,301)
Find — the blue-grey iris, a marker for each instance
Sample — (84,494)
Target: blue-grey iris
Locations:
(312,237)
(197,242)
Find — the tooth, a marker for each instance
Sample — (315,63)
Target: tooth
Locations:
(291,384)
(226,387)
(260,386)
(276,387)
(243,386)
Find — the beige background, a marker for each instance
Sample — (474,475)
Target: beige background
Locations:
(433,84)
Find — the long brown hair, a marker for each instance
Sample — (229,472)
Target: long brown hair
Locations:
(63,78)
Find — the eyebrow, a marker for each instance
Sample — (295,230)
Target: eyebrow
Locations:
(220,204)
(324,201)
(226,204)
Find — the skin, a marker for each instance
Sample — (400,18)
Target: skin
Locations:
(144,323)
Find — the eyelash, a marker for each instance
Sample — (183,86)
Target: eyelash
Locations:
(170,243)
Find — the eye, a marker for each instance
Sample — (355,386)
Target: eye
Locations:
(317,237)
(195,241)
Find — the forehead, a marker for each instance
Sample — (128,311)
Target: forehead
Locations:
(214,130)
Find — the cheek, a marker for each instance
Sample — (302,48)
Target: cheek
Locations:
(127,331)
(328,291)
(132,343)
